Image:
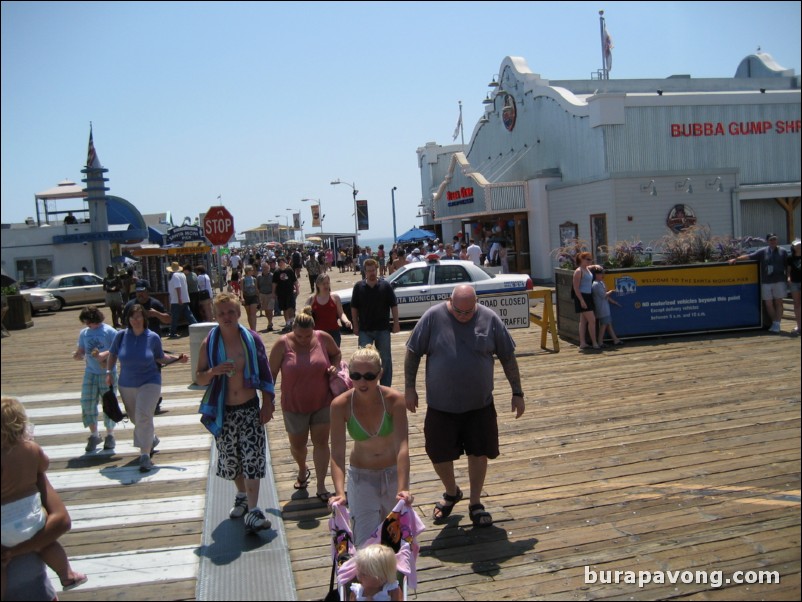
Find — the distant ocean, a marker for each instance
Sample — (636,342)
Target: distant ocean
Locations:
(374,243)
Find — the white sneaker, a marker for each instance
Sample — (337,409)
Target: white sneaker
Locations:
(239,508)
(255,521)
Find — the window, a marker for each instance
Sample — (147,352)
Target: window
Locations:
(413,277)
(450,274)
(36,269)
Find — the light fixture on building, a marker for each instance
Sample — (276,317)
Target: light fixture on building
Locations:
(650,188)
(717,184)
(659,92)
(685,186)
(494,83)
(488,100)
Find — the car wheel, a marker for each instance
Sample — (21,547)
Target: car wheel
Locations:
(59,304)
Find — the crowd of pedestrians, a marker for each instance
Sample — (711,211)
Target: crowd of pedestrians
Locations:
(460,338)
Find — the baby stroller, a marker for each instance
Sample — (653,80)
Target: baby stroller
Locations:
(398,531)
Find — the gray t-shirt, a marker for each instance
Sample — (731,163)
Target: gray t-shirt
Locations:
(459,357)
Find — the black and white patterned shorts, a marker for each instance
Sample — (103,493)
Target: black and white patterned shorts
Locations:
(242,445)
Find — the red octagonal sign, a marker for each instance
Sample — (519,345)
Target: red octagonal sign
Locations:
(218,225)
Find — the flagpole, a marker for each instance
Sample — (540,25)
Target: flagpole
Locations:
(461,128)
(603,53)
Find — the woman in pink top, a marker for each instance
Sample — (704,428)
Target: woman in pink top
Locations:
(305,358)
(327,309)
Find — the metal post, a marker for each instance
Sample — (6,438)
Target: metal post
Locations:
(392,192)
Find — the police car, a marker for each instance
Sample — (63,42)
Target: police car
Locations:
(420,285)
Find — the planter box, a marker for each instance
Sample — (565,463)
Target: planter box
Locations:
(18,316)
(667,300)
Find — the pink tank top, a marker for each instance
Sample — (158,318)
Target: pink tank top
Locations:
(305,378)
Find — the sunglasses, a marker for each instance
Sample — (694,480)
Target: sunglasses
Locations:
(463,312)
(360,375)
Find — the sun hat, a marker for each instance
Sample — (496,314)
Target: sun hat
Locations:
(175,267)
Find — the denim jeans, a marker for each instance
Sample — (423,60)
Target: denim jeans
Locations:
(175,314)
(381,339)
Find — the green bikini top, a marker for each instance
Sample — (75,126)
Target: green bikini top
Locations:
(358,432)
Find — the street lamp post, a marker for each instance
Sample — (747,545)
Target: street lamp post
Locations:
(356,223)
(392,192)
(319,211)
(286,229)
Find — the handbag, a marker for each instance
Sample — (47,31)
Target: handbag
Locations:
(340,381)
(111,407)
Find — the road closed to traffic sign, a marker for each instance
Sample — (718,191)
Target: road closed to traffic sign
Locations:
(512,308)
(218,225)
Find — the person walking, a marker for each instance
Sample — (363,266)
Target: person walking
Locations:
(113,286)
(232,361)
(264,282)
(205,294)
(94,343)
(179,298)
(193,288)
(250,296)
(139,349)
(460,337)
(773,276)
(378,468)
(372,302)
(285,288)
(327,309)
(305,358)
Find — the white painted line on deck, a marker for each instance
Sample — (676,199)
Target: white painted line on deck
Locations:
(133,568)
(114,475)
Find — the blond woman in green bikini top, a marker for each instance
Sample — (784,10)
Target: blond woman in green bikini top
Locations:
(378,469)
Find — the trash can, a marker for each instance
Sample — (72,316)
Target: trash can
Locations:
(18,316)
(197,333)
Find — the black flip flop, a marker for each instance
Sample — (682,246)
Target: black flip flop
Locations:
(303,484)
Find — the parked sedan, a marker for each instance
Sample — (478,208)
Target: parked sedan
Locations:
(41,301)
(81,288)
(420,285)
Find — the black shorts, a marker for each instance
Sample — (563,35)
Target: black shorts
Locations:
(251,300)
(588,297)
(286,301)
(449,435)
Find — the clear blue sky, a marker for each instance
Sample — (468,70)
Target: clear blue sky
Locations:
(266,103)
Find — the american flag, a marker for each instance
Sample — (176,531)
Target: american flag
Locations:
(608,49)
(91,157)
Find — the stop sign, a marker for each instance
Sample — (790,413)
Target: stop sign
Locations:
(218,225)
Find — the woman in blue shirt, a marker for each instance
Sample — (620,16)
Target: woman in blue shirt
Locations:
(140,383)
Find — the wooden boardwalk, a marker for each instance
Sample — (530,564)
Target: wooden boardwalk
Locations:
(666,455)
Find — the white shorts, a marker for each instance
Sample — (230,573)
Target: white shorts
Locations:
(774,290)
(22,520)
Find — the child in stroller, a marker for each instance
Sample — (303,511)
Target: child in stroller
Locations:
(398,532)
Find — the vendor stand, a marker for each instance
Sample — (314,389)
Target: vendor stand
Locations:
(154,263)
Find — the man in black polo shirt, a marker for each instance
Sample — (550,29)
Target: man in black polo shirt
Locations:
(372,301)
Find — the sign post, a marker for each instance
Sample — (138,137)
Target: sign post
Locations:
(218,225)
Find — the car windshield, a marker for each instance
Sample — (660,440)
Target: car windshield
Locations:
(50,283)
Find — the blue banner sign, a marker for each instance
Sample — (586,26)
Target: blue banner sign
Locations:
(689,298)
